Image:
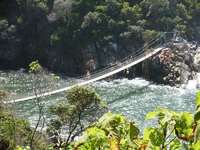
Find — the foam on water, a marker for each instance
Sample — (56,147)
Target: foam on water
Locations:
(133,98)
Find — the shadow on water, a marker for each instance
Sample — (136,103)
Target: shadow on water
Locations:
(138,91)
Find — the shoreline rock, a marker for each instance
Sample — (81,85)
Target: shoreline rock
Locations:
(174,65)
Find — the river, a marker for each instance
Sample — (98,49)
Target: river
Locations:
(133,98)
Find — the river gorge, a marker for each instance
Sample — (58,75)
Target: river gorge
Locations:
(134,98)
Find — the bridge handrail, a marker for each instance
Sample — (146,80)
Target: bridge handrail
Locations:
(123,62)
(149,43)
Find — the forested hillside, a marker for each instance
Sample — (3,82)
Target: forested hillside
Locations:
(65,35)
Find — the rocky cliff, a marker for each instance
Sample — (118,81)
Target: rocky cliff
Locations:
(174,65)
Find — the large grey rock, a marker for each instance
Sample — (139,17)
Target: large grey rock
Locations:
(197,61)
(174,65)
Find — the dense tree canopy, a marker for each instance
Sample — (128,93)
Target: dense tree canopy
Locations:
(59,32)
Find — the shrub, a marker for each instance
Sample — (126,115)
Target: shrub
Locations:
(81,108)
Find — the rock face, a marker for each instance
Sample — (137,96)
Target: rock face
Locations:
(197,59)
(65,41)
(173,65)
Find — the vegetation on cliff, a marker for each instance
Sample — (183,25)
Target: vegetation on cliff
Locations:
(64,35)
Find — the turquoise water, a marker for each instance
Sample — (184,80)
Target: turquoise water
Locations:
(133,98)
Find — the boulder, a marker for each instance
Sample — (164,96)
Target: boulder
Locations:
(174,65)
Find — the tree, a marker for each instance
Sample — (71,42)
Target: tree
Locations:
(15,131)
(174,131)
(81,108)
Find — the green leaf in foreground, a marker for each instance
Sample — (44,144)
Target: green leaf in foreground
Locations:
(197,100)
(151,115)
(156,136)
(134,131)
(175,145)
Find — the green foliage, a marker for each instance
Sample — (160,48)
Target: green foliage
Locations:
(156,137)
(82,104)
(89,23)
(133,132)
(35,67)
(197,113)
(79,99)
(111,132)
(174,131)
(93,139)
(149,34)
(13,131)
(184,125)
(22,148)
(175,145)
(197,99)
(195,146)
(82,96)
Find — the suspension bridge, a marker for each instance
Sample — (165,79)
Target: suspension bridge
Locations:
(148,50)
